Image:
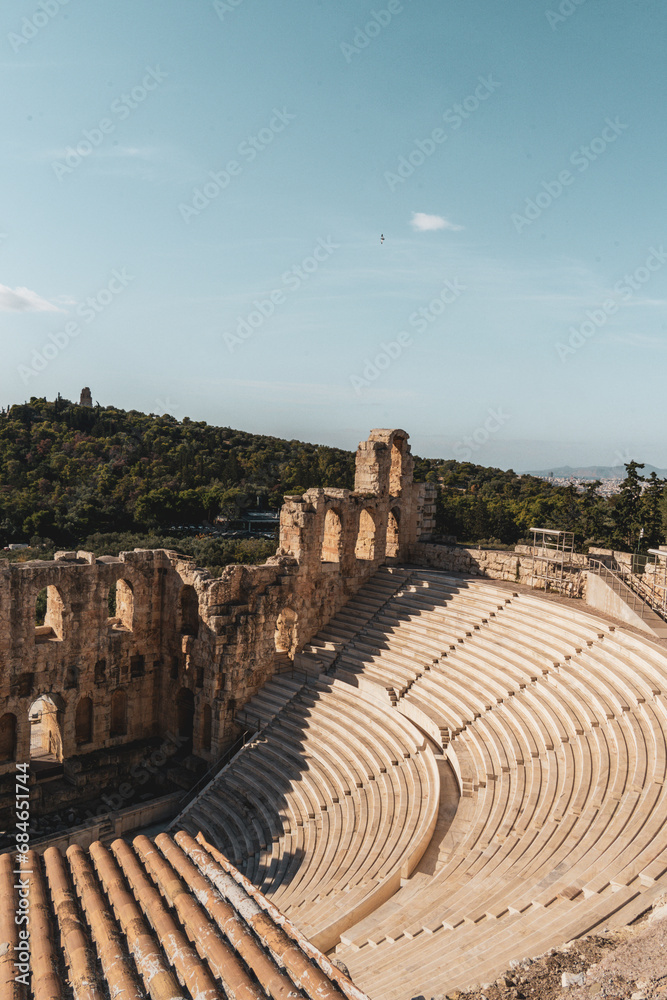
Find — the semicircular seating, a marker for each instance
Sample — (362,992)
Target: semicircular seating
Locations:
(557,726)
(328,808)
(554,724)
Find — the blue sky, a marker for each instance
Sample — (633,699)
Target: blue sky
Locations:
(192,196)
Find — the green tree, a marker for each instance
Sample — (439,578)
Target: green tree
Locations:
(627,512)
(652,511)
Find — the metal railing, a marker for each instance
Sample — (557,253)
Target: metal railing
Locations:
(630,587)
(246,737)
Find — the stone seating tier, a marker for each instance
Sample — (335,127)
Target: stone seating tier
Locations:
(553,723)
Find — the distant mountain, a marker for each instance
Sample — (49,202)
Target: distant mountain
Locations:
(595,472)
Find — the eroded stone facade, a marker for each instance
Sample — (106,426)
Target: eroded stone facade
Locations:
(176,652)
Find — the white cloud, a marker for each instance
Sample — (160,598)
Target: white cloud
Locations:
(424,223)
(23,300)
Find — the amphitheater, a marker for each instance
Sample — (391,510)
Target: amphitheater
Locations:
(441,769)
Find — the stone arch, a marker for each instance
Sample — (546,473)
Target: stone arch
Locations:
(7,737)
(365,547)
(118,720)
(399,446)
(286,632)
(121,606)
(189,611)
(83,721)
(332,538)
(185,717)
(392,549)
(206,728)
(49,614)
(40,607)
(46,739)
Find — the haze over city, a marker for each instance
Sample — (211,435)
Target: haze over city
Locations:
(308,220)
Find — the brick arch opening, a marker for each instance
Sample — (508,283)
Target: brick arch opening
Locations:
(83,721)
(7,737)
(398,452)
(365,546)
(46,739)
(332,539)
(49,614)
(121,606)
(393,533)
(286,632)
(189,611)
(118,719)
(185,717)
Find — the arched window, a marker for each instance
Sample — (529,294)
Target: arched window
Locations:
(118,722)
(396,470)
(7,738)
(332,539)
(49,608)
(285,634)
(46,742)
(185,712)
(206,728)
(83,721)
(121,606)
(365,547)
(189,609)
(392,549)
(40,608)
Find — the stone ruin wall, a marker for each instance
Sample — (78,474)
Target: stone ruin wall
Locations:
(514,567)
(655,579)
(184,649)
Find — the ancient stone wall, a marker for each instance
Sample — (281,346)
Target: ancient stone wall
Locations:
(655,579)
(516,566)
(174,652)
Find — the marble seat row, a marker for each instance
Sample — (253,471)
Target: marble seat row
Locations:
(327,808)
(553,722)
(558,736)
(591,768)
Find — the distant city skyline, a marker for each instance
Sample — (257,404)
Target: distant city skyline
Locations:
(307,221)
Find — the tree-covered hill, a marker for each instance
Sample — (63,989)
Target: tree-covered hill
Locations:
(105,478)
(67,471)
(479,504)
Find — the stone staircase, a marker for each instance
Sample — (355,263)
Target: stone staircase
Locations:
(329,807)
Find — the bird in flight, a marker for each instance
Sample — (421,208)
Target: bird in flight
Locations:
(381,238)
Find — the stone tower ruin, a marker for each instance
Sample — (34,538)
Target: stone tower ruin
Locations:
(182,650)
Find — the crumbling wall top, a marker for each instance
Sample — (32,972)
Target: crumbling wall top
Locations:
(384,465)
